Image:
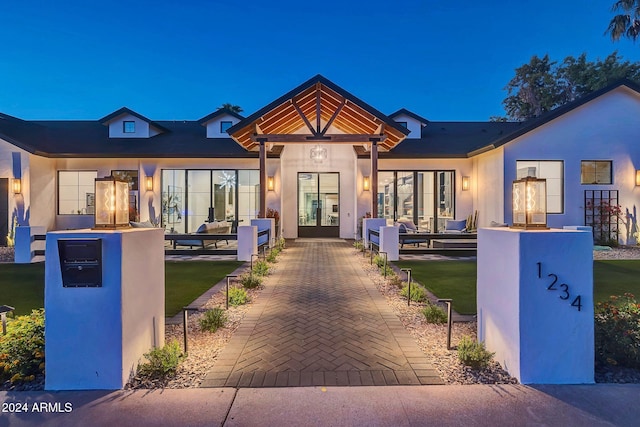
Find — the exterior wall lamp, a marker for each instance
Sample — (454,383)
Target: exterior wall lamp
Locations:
(529,203)
(466,183)
(148,183)
(366,183)
(112,203)
(270,183)
(17,185)
(637,177)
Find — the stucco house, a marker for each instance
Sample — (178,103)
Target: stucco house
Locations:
(323,158)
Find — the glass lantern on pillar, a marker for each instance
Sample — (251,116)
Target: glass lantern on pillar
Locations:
(530,203)
(111,203)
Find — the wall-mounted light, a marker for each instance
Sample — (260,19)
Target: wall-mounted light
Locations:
(529,201)
(17,186)
(638,177)
(112,203)
(270,183)
(466,182)
(148,183)
(366,183)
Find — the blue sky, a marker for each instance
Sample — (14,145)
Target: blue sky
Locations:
(171,60)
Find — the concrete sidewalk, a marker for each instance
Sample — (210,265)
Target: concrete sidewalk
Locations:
(476,405)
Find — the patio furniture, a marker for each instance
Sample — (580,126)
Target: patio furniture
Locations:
(408,227)
(213,228)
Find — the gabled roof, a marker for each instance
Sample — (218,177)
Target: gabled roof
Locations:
(217,113)
(410,114)
(531,124)
(282,116)
(124,110)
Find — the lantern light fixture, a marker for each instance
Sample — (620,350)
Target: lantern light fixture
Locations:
(270,183)
(637,177)
(466,183)
(366,183)
(17,186)
(148,183)
(529,197)
(111,203)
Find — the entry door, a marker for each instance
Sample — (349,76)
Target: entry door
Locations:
(4,210)
(319,204)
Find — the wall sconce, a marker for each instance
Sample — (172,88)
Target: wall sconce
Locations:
(466,182)
(529,203)
(17,186)
(366,183)
(270,183)
(148,183)
(637,177)
(111,203)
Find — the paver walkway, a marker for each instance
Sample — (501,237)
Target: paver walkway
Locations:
(320,321)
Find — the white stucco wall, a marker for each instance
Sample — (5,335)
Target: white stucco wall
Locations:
(143,130)
(487,187)
(213,127)
(42,190)
(14,163)
(340,158)
(605,128)
(414,126)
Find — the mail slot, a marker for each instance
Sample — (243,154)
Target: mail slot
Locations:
(81,262)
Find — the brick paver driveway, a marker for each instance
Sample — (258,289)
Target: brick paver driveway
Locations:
(320,321)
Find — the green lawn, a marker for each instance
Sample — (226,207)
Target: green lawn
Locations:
(457,280)
(22,285)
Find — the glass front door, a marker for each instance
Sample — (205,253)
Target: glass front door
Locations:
(319,204)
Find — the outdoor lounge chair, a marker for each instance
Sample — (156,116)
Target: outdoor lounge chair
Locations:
(408,227)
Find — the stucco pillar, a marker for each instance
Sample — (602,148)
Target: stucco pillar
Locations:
(374,178)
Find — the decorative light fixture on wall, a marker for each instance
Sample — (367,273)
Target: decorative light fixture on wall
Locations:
(17,186)
(148,183)
(112,203)
(318,154)
(366,183)
(270,183)
(529,203)
(466,182)
(638,177)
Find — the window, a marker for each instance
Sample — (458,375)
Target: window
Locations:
(553,172)
(128,126)
(403,124)
(76,192)
(596,172)
(224,125)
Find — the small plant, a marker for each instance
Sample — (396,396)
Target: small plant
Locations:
(378,260)
(261,268)
(280,243)
(162,362)
(617,331)
(473,353)
(388,269)
(237,296)
(434,314)
(250,281)
(213,319)
(273,255)
(395,280)
(417,292)
(358,245)
(22,348)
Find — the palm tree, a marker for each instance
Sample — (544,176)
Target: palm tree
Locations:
(626,24)
(231,107)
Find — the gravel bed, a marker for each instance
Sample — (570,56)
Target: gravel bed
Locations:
(6,253)
(621,252)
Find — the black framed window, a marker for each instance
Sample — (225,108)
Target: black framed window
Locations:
(224,125)
(596,172)
(76,192)
(128,126)
(403,124)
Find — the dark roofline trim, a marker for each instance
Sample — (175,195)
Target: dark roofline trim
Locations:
(554,114)
(125,110)
(203,121)
(410,114)
(312,81)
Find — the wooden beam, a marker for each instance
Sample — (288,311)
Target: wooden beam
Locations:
(318,108)
(333,117)
(304,118)
(336,139)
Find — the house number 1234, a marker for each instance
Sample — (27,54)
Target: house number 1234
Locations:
(563,288)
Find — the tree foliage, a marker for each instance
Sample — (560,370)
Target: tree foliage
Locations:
(543,84)
(627,22)
(230,107)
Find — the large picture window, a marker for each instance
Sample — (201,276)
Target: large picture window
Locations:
(553,172)
(76,192)
(596,172)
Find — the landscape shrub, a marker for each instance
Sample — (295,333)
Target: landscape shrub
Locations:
(358,245)
(434,314)
(617,331)
(22,348)
(261,268)
(378,260)
(213,319)
(473,353)
(389,270)
(273,255)
(395,280)
(237,296)
(250,281)
(162,362)
(417,292)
